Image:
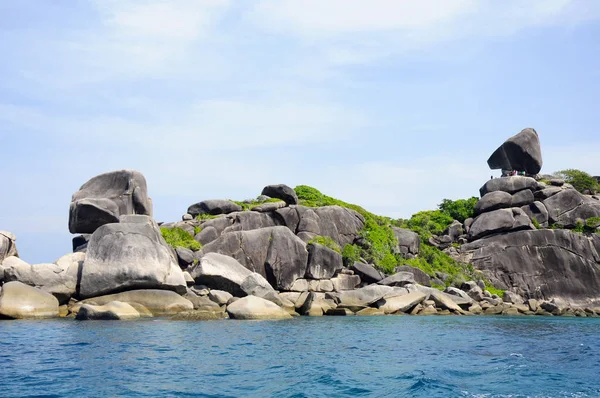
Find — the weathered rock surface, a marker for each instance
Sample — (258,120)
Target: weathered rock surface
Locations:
(420,276)
(158,302)
(408,241)
(8,247)
(510,185)
(281,191)
(521,152)
(569,206)
(58,279)
(20,301)
(213,207)
(252,307)
(274,252)
(323,262)
(543,264)
(106,197)
(493,201)
(115,310)
(129,255)
(499,221)
(401,303)
(398,279)
(537,211)
(367,272)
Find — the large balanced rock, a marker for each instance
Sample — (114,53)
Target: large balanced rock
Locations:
(157,302)
(115,310)
(129,255)
(499,221)
(252,307)
(20,301)
(274,252)
(543,264)
(58,279)
(521,152)
(281,191)
(213,207)
(106,197)
(8,247)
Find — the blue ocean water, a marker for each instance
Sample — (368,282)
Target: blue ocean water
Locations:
(394,356)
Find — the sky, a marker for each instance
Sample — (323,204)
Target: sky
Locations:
(390,104)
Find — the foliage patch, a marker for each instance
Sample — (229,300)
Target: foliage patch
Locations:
(177,237)
(325,241)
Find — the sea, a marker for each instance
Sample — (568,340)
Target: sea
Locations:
(390,356)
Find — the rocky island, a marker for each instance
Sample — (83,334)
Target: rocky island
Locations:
(528,246)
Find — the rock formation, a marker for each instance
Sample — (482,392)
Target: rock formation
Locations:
(8,247)
(106,197)
(521,153)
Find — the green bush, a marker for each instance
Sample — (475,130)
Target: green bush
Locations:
(350,254)
(535,223)
(460,209)
(490,288)
(249,205)
(325,241)
(205,216)
(177,237)
(580,180)
(382,242)
(428,223)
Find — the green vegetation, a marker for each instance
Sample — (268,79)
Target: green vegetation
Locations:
(177,237)
(351,254)
(580,180)
(249,205)
(589,226)
(428,223)
(460,209)
(325,241)
(545,181)
(535,223)
(197,230)
(382,242)
(204,217)
(490,288)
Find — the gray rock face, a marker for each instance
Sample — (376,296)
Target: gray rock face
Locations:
(281,191)
(493,201)
(221,272)
(323,262)
(544,264)
(420,276)
(20,301)
(213,207)
(114,310)
(537,211)
(510,185)
(365,296)
(129,255)
(345,282)
(522,198)
(499,221)
(408,241)
(256,308)
(58,279)
(401,303)
(8,247)
(399,279)
(104,198)
(274,252)
(367,272)
(158,302)
(569,206)
(521,152)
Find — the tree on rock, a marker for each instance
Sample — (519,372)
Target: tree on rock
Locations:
(580,180)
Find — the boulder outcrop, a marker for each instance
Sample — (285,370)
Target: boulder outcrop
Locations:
(274,252)
(8,246)
(115,310)
(541,264)
(106,197)
(408,241)
(213,207)
(256,308)
(157,302)
(21,301)
(129,255)
(281,191)
(521,152)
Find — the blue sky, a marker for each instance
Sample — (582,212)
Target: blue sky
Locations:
(390,104)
